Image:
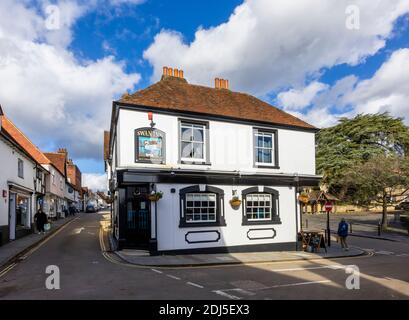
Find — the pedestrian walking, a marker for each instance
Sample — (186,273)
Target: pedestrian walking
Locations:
(41,219)
(343,234)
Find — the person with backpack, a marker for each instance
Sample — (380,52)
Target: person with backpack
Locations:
(343,234)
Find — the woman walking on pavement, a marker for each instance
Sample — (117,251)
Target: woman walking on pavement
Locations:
(41,219)
(343,234)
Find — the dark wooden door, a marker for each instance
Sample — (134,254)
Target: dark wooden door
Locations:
(138,222)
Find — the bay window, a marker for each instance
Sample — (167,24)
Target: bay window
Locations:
(260,206)
(201,206)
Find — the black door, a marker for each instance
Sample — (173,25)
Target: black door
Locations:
(138,222)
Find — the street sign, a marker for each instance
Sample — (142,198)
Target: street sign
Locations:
(328,206)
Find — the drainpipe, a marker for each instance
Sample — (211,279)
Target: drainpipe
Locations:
(296,186)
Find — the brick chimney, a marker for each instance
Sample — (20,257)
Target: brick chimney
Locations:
(170,72)
(221,83)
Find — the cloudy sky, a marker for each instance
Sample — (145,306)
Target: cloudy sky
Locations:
(62,62)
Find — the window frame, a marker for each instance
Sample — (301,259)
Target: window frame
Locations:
(206,142)
(275,206)
(220,212)
(20,168)
(274,153)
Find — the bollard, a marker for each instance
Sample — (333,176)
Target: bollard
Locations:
(379,228)
(350,227)
(306,223)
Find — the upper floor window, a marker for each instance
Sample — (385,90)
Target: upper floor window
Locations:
(265,148)
(201,206)
(194,142)
(20,168)
(260,206)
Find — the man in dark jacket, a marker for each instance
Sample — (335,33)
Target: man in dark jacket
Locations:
(41,219)
(343,234)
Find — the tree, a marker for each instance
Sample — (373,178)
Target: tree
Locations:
(355,141)
(377,181)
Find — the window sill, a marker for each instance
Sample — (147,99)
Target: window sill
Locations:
(261,223)
(266,166)
(201,224)
(203,163)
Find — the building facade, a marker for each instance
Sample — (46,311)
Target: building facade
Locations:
(198,149)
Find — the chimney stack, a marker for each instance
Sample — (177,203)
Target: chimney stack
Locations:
(221,83)
(169,72)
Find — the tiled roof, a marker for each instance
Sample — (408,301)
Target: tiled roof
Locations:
(23,141)
(58,160)
(176,94)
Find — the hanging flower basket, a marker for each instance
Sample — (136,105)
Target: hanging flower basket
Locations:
(155,196)
(235,202)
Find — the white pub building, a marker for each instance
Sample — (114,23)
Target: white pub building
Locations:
(198,169)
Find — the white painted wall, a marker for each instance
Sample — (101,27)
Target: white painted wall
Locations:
(55,188)
(171,237)
(9,172)
(231,145)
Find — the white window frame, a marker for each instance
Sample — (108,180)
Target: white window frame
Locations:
(270,207)
(273,146)
(194,194)
(192,125)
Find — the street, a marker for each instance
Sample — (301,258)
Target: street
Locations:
(87,273)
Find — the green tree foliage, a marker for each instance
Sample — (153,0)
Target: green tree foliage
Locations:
(354,141)
(377,181)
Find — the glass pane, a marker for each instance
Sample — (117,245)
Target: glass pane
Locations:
(268,141)
(259,155)
(186,134)
(187,151)
(189,204)
(198,150)
(198,135)
(212,217)
(259,140)
(266,156)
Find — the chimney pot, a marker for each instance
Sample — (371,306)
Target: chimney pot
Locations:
(217,83)
(176,73)
(181,74)
(227,84)
(170,72)
(165,71)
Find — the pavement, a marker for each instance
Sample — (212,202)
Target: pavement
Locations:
(87,270)
(363,225)
(13,250)
(142,258)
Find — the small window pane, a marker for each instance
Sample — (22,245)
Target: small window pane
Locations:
(198,135)
(187,150)
(186,134)
(198,150)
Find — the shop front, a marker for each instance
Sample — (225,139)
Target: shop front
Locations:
(20,212)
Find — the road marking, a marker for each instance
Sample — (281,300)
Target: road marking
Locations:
(403,255)
(78,230)
(226,295)
(157,271)
(293,284)
(309,268)
(387,253)
(7,269)
(173,277)
(194,284)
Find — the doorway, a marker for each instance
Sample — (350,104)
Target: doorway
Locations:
(138,231)
(12,216)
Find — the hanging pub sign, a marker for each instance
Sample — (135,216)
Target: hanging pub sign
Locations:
(150,145)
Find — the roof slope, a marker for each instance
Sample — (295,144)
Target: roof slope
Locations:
(58,160)
(23,141)
(176,94)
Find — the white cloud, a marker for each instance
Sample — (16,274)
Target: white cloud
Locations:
(268,45)
(297,99)
(56,99)
(387,90)
(95,181)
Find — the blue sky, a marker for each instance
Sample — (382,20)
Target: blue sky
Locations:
(296,56)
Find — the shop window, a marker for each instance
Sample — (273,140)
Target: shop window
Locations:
(260,207)
(20,168)
(194,142)
(22,211)
(265,148)
(201,207)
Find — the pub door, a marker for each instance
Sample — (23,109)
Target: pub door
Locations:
(138,222)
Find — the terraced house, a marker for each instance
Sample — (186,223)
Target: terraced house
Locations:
(199,169)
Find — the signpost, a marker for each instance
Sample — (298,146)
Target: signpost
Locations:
(328,207)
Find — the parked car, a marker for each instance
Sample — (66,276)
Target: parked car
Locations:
(403,206)
(90,208)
